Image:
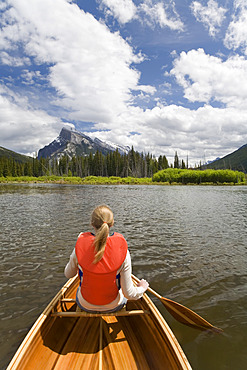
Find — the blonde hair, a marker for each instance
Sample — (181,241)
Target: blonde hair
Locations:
(101,220)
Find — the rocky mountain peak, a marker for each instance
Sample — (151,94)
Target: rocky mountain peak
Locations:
(75,143)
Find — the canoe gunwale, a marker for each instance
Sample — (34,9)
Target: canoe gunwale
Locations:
(166,330)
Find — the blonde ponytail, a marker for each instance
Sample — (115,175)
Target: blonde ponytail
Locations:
(101,220)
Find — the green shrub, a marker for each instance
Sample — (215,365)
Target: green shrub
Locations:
(184,176)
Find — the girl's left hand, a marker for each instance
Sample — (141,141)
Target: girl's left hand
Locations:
(143,283)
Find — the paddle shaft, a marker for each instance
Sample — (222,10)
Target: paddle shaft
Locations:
(155,293)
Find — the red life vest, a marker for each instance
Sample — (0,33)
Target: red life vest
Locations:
(99,279)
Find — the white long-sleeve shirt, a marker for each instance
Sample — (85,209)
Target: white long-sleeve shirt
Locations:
(128,290)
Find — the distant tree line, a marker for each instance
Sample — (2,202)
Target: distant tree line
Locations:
(113,164)
(132,164)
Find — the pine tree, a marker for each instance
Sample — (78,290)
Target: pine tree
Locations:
(90,164)
(132,161)
(176,160)
(7,168)
(28,169)
(162,163)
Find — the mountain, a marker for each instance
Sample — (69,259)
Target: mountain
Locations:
(72,142)
(234,161)
(13,155)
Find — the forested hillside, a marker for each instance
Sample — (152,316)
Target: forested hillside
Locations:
(6,153)
(234,161)
(113,164)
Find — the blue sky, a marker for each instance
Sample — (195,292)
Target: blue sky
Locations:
(163,76)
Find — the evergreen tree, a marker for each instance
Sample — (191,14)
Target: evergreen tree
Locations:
(90,164)
(6,169)
(35,167)
(125,170)
(97,164)
(54,167)
(132,161)
(162,162)
(176,160)
(28,169)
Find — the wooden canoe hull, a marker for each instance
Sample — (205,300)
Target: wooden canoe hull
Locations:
(140,341)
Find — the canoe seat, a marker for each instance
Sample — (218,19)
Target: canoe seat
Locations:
(80,313)
(88,314)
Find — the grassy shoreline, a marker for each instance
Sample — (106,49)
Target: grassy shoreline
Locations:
(98,180)
(90,180)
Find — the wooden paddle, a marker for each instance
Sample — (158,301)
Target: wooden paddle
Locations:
(182,313)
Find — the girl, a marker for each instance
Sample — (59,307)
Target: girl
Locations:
(104,266)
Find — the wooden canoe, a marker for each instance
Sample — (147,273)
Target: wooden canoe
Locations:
(61,338)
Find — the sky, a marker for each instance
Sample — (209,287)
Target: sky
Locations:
(164,76)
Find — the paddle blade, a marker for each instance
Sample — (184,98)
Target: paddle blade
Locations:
(187,316)
(182,313)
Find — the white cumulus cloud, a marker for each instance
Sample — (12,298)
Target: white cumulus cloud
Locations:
(164,129)
(208,78)
(211,15)
(24,129)
(123,10)
(149,12)
(236,35)
(13,60)
(160,14)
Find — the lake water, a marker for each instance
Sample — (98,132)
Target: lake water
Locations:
(189,242)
